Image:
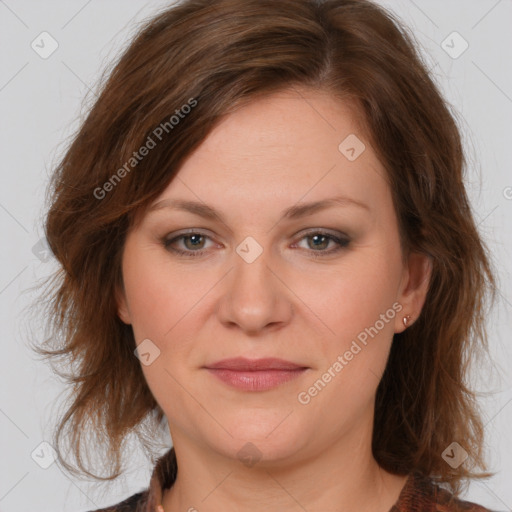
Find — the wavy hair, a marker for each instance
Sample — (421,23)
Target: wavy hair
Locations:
(221,55)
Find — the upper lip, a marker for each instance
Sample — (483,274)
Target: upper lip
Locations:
(243,364)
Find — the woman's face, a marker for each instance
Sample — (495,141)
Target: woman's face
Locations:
(230,264)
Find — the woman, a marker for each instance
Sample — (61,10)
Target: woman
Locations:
(265,239)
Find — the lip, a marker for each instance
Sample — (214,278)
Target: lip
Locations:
(255,374)
(244,364)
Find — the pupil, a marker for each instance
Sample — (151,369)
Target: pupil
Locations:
(195,239)
(317,238)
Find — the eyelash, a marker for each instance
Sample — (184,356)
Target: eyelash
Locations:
(342,244)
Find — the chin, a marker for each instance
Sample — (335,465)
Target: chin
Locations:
(260,437)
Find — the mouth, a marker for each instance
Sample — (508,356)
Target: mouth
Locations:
(255,374)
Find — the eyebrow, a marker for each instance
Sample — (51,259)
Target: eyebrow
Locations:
(293,212)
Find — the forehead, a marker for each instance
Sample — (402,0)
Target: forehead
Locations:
(287,126)
(279,149)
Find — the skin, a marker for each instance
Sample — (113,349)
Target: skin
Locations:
(267,156)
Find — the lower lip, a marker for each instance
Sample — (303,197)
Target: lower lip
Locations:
(257,380)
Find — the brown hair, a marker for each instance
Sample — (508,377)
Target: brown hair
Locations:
(217,56)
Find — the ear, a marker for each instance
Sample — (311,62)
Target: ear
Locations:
(122,306)
(414,287)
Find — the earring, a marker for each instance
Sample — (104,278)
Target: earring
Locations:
(406,319)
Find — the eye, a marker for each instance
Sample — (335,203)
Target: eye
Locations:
(193,243)
(319,240)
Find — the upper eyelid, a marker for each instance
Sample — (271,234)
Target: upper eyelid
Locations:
(334,236)
(302,234)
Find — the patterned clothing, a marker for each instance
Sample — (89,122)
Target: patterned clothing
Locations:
(419,493)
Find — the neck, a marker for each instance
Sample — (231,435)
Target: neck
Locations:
(344,476)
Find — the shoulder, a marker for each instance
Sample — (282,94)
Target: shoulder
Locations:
(135,503)
(446,502)
(422,494)
(442,500)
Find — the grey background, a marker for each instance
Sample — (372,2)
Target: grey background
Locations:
(40,103)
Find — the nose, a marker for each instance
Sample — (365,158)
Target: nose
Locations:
(254,298)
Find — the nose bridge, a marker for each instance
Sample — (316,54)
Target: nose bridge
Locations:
(254,297)
(251,269)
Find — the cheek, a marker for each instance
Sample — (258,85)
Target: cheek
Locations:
(355,356)
(359,306)
(355,294)
(158,295)
(146,296)
(159,308)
